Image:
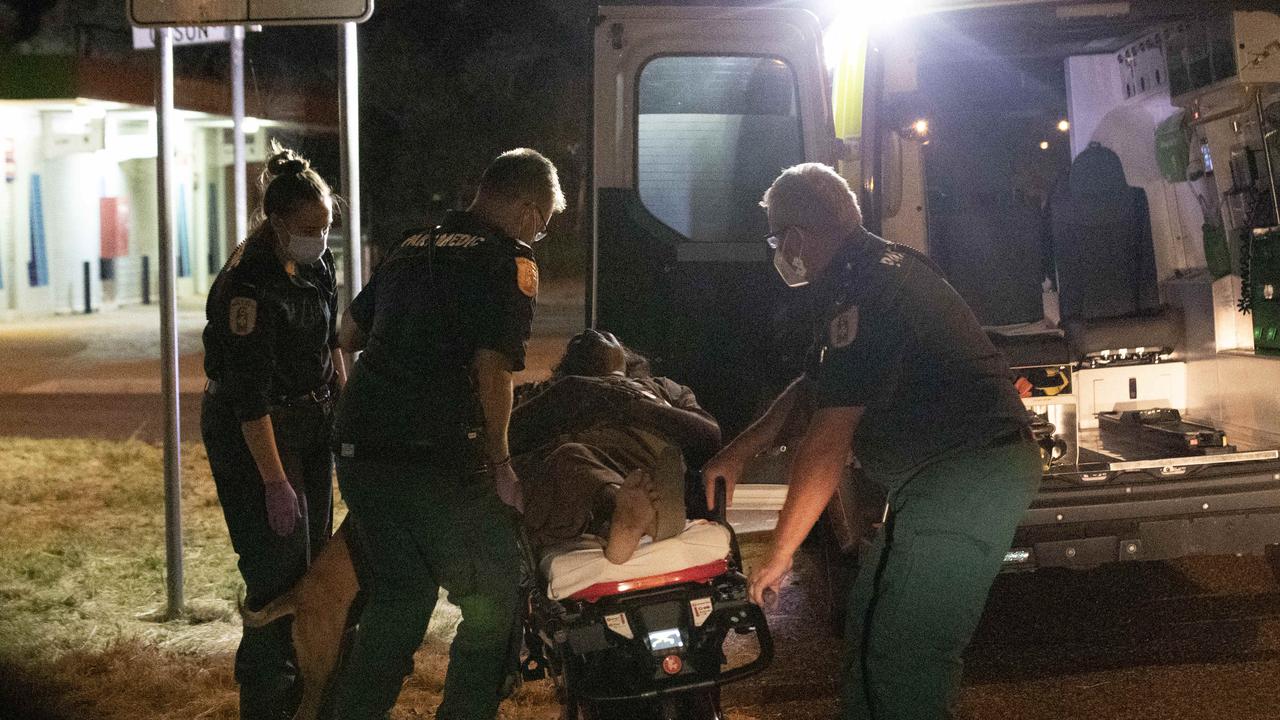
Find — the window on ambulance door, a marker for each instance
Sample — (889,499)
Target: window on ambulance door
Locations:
(712,134)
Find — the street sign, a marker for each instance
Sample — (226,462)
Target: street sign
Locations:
(188,35)
(181,13)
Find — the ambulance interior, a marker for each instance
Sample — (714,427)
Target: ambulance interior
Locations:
(1102,191)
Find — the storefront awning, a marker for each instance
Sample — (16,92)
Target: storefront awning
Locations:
(57,77)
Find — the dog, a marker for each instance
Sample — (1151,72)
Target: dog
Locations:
(320,603)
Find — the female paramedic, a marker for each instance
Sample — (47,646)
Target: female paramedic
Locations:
(274,371)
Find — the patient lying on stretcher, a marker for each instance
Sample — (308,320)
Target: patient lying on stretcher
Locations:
(601,451)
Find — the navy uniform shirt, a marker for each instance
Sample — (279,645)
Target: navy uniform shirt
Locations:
(439,297)
(269,334)
(896,339)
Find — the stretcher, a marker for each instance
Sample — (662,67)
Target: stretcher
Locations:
(646,638)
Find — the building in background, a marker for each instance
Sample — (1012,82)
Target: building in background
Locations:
(78,136)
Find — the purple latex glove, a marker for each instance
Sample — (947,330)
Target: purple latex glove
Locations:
(282,507)
(510,491)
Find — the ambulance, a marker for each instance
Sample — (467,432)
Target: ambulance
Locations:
(1098,179)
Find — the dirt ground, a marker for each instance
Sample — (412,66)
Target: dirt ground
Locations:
(1197,638)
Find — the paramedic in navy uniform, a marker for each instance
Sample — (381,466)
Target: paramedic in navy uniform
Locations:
(901,373)
(274,368)
(421,432)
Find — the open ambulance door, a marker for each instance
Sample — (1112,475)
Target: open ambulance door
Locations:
(697,110)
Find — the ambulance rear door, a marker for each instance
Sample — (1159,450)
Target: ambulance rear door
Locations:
(697,110)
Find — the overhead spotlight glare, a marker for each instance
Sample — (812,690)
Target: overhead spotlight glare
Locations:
(1063,126)
(1044,144)
(921,127)
(857,17)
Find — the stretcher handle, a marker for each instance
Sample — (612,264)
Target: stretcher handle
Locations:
(721,510)
(720,513)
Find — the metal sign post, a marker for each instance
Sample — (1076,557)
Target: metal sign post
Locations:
(164,15)
(241,192)
(168,325)
(349,119)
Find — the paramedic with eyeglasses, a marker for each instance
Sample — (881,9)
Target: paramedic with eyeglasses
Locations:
(900,374)
(421,440)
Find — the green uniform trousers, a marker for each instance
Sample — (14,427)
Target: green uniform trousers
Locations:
(921,588)
(422,530)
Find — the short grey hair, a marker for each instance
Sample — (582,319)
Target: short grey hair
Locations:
(812,195)
(524,174)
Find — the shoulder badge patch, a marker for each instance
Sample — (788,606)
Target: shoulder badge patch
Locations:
(527,276)
(243,315)
(843,328)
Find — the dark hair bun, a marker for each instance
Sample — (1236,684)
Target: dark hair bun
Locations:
(288,181)
(286,163)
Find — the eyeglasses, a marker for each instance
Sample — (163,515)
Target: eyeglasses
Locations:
(774,239)
(544,222)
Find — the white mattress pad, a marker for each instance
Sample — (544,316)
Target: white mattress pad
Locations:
(574,566)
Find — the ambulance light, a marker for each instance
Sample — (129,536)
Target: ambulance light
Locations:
(854,18)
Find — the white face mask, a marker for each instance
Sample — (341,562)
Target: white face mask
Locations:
(302,249)
(306,249)
(792,272)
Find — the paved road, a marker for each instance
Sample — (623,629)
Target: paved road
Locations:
(98,376)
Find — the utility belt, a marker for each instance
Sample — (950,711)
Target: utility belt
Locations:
(320,395)
(299,422)
(456,453)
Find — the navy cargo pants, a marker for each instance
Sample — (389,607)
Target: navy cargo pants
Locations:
(921,588)
(270,564)
(423,529)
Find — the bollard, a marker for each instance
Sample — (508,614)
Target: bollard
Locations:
(146,279)
(88,305)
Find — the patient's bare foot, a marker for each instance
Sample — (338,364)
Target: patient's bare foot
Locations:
(633,516)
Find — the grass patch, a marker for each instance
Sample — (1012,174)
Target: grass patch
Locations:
(85,520)
(84,564)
